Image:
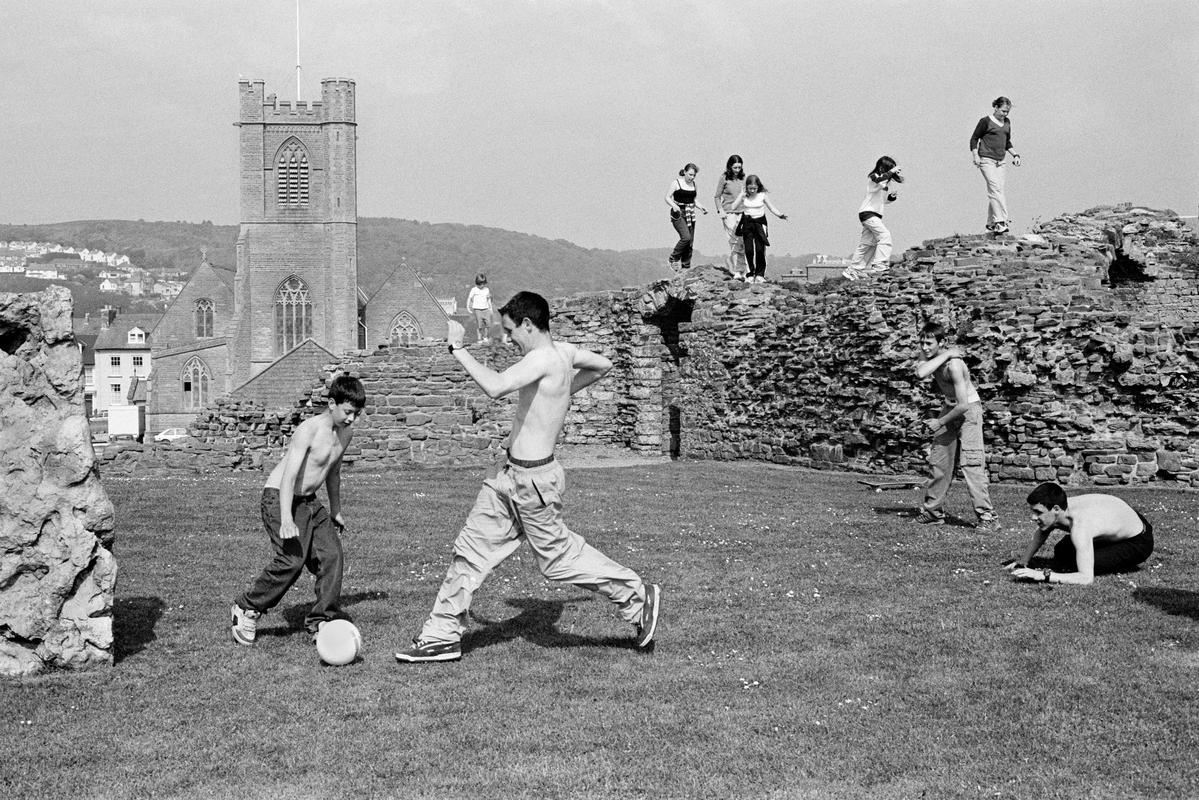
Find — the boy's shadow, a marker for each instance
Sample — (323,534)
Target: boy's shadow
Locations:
(294,615)
(133,621)
(908,514)
(536,624)
(1180,602)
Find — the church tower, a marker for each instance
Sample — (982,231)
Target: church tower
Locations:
(297,250)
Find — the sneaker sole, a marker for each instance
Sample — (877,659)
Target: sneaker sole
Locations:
(403,658)
(244,642)
(647,636)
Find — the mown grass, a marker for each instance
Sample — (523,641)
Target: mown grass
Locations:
(813,645)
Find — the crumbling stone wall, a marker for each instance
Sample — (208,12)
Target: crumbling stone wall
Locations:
(1083,381)
(57,572)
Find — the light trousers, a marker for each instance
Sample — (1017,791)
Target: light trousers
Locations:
(992,171)
(525,503)
(875,245)
(959,445)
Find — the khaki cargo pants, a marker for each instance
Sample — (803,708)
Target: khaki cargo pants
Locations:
(959,445)
(525,503)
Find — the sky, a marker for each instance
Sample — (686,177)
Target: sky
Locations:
(570,118)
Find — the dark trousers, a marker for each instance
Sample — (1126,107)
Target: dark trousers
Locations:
(753,234)
(1110,557)
(682,250)
(318,547)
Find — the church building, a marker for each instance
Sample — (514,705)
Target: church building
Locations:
(264,328)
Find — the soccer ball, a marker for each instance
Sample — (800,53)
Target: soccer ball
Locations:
(338,642)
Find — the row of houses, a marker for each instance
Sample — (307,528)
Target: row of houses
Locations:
(39,249)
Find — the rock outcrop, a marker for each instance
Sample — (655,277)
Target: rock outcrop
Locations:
(57,572)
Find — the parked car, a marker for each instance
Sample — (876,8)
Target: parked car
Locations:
(171,434)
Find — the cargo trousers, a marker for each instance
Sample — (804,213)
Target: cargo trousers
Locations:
(959,445)
(525,503)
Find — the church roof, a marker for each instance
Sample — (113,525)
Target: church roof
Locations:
(403,267)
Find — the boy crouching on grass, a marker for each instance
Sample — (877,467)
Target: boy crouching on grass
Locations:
(302,532)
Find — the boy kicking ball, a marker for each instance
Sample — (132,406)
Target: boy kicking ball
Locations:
(304,534)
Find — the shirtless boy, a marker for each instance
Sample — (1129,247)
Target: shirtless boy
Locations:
(957,432)
(302,532)
(524,501)
(1103,535)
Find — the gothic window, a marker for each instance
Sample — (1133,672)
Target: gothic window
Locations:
(195,384)
(204,309)
(293,315)
(405,330)
(291,173)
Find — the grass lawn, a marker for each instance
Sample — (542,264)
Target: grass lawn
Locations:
(813,644)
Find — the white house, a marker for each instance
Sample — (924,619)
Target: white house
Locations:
(122,352)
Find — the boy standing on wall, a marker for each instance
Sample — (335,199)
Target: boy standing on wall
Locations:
(302,532)
(957,432)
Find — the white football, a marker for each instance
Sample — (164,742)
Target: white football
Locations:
(338,642)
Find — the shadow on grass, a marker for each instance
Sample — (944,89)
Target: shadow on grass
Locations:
(294,615)
(909,513)
(1179,602)
(133,621)
(536,624)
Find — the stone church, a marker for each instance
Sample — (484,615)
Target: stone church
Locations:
(263,328)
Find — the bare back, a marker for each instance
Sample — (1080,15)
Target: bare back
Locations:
(1104,517)
(542,405)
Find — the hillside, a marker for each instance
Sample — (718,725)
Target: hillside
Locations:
(448,255)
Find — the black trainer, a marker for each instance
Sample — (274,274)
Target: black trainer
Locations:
(430,651)
(649,615)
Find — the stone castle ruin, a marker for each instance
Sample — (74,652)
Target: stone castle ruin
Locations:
(1083,338)
(57,572)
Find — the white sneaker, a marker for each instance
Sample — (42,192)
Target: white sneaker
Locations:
(738,276)
(853,273)
(245,624)
(877,268)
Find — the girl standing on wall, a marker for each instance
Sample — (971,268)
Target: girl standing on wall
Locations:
(874,248)
(681,199)
(728,188)
(989,144)
(479,304)
(752,204)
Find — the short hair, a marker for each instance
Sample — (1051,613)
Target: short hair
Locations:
(729,175)
(480,279)
(347,389)
(755,180)
(530,306)
(933,329)
(1000,102)
(1048,495)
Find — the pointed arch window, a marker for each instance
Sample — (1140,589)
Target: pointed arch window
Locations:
(203,314)
(196,389)
(293,314)
(291,172)
(405,330)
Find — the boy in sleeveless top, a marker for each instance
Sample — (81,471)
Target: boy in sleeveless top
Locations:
(957,432)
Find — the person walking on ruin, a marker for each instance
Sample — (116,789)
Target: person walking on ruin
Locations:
(728,188)
(302,532)
(957,432)
(873,253)
(989,144)
(752,204)
(681,199)
(1104,535)
(524,500)
(478,302)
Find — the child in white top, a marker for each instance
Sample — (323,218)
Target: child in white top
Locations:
(478,302)
(873,253)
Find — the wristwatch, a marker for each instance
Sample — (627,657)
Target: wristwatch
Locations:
(453,348)
(1046,572)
